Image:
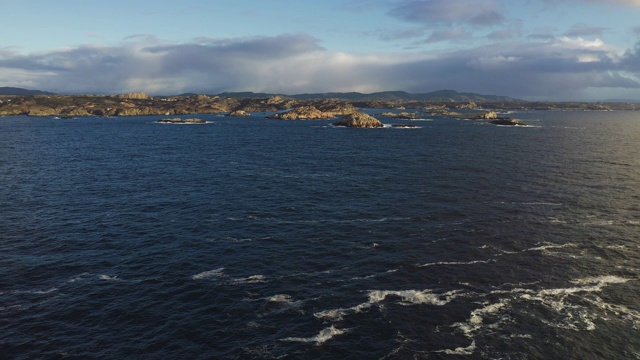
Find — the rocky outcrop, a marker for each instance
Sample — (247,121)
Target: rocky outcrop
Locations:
(489,115)
(403,115)
(359,120)
(75,112)
(181,121)
(335,107)
(239,113)
(306,112)
(138,96)
(42,111)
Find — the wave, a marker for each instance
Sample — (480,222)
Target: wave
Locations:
(592,221)
(456,263)
(109,277)
(561,307)
(253,279)
(220,275)
(407,298)
(318,221)
(469,350)
(322,337)
(211,274)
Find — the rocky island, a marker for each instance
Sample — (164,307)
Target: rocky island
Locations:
(181,121)
(305,112)
(358,120)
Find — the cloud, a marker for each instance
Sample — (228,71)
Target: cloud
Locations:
(585,30)
(471,12)
(506,33)
(448,35)
(631,3)
(561,68)
(392,35)
(635,3)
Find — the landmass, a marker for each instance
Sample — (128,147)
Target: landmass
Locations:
(446,103)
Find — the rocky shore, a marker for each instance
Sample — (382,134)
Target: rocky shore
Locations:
(141,104)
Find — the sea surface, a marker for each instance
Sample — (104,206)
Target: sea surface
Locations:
(249,238)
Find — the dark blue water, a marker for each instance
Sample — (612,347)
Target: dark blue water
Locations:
(261,239)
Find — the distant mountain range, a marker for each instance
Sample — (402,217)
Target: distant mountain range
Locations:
(440,95)
(22,92)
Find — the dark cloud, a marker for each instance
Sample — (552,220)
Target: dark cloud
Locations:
(472,12)
(561,68)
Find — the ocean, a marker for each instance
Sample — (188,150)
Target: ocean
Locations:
(249,238)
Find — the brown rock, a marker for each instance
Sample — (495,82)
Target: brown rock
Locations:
(239,113)
(306,112)
(359,120)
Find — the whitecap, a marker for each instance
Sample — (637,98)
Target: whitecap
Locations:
(211,274)
(78,278)
(469,350)
(253,279)
(477,317)
(34,292)
(456,263)
(280,298)
(109,277)
(407,298)
(550,246)
(43,292)
(601,280)
(322,337)
(339,314)
(411,297)
(542,203)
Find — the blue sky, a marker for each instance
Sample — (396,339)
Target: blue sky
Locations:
(530,49)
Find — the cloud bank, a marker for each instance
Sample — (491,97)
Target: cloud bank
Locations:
(561,68)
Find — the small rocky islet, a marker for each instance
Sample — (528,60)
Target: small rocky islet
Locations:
(181,121)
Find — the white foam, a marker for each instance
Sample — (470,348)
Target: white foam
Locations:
(410,297)
(322,337)
(253,279)
(407,298)
(109,277)
(283,298)
(469,350)
(601,280)
(211,274)
(564,307)
(78,278)
(542,203)
(550,246)
(456,263)
(220,275)
(34,292)
(477,317)
(43,292)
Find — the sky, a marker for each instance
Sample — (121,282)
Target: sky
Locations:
(554,50)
